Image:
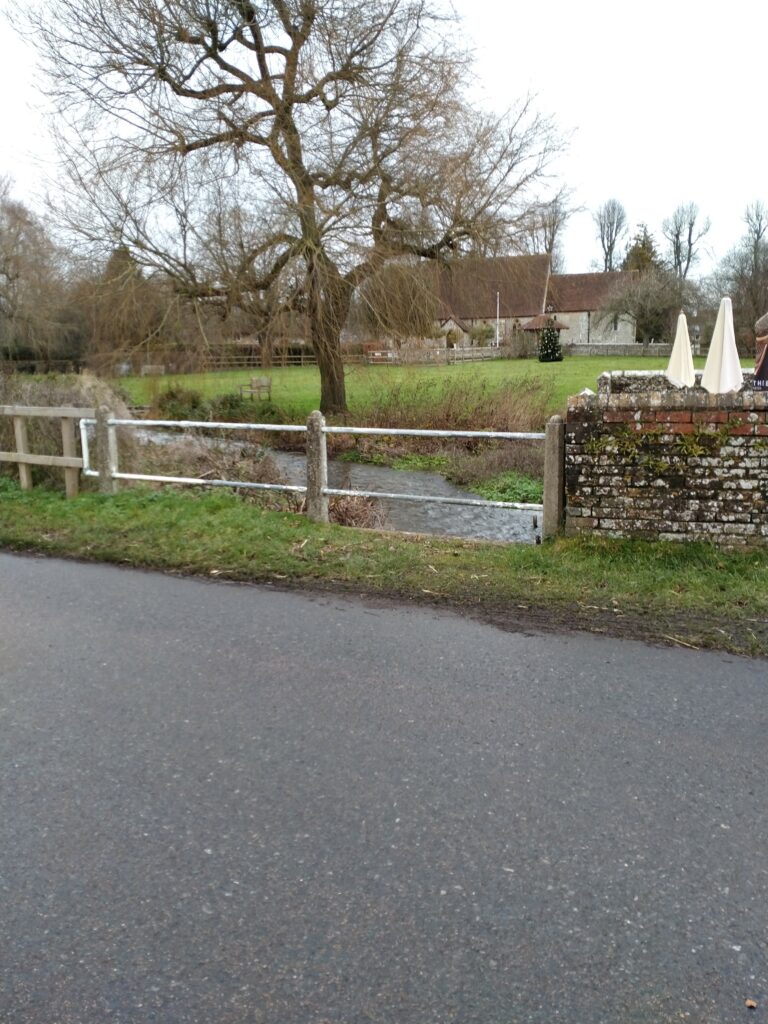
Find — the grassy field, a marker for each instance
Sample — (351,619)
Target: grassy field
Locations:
(688,594)
(296,390)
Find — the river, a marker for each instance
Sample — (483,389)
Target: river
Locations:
(504,524)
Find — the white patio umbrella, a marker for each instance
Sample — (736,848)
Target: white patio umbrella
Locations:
(680,371)
(722,372)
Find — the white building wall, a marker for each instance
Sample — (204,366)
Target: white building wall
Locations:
(587,328)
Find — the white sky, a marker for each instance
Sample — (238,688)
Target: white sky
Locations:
(666,103)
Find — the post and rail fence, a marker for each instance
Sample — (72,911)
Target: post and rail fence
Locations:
(26,459)
(317,492)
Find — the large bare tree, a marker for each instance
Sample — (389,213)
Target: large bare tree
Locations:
(347,120)
(611,223)
(743,273)
(683,232)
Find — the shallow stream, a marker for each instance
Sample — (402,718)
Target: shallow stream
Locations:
(505,524)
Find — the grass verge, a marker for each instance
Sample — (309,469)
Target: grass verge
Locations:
(691,595)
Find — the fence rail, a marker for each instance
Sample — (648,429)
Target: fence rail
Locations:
(316,489)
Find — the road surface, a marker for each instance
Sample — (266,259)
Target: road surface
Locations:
(227,804)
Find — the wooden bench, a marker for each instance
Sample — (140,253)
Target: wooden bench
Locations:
(261,387)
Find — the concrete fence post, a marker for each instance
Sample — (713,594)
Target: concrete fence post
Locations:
(317,469)
(554,477)
(106,451)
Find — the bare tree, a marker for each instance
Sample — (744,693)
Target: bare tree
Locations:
(32,283)
(651,298)
(543,227)
(611,222)
(743,274)
(211,254)
(348,120)
(683,235)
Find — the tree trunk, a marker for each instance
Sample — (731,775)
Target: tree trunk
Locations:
(329,297)
(265,352)
(326,342)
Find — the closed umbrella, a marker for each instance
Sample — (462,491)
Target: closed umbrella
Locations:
(680,371)
(722,372)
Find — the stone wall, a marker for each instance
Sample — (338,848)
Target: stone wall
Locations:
(589,328)
(571,348)
(645,460)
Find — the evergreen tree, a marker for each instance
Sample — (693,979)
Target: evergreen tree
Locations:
(642,254)
(549,345)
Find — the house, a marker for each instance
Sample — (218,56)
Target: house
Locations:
(576,300)
(473,291)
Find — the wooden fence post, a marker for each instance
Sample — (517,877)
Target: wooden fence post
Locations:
(22,447)
(317,469)
(106,451)
(554,477)
(69,448)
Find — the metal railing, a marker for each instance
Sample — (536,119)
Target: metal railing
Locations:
(436,499)
(316,489)
(107,448)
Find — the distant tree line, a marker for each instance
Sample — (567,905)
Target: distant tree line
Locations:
(663,284)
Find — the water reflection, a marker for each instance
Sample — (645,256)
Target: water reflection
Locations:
(469,521)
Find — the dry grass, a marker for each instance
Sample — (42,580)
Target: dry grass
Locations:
(459,404)
(360,512)
(526,457)
(451,404)
(199,458)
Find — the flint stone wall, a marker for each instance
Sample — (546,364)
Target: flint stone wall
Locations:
(646,460)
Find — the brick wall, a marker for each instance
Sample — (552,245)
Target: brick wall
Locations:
(644,460)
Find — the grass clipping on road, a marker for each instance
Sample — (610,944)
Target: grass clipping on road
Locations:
(692,595)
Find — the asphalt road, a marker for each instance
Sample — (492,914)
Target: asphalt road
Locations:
(226,804)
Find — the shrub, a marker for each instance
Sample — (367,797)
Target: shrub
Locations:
(482,334)
(179,403)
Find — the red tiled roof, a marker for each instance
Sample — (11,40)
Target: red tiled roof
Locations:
(467,288)
(544,320)
(576,293)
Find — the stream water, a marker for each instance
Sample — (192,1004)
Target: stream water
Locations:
(505,524)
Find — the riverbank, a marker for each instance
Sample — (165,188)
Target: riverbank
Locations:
(689,595)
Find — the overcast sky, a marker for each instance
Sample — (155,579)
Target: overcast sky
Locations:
(664,103)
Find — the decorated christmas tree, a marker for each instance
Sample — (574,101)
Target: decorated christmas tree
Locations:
(549,345)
